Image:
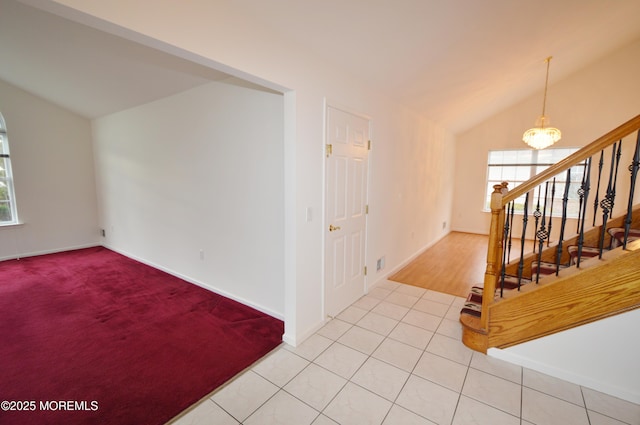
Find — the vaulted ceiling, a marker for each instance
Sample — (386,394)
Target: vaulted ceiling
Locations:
(89,72)
(455,61)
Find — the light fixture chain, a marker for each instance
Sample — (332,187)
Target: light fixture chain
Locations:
(546,84)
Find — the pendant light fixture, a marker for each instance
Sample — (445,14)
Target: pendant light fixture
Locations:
(541,136)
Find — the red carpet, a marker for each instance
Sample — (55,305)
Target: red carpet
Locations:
(93,337)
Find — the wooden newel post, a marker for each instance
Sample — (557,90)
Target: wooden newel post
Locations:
(494,253)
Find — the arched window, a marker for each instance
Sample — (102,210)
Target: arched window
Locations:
(8,212)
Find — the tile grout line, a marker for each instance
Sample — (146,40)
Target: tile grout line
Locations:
(369,356)
(521,394)
(393,402)
(386,336)
(468,366)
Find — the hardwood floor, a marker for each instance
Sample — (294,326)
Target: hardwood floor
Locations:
(453,265)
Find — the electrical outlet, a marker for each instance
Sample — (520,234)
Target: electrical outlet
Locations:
(380,264)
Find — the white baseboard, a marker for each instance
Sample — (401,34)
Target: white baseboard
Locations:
(471,231)
(48,251)
(417,254)
(625,394)
(295,340)
(203,285)
(384,277)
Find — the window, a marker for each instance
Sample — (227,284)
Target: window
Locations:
(8,213)
(518,166)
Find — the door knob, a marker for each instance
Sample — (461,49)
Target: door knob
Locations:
(332,227)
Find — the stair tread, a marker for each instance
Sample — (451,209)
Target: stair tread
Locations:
(473,304)
(587,252)
(511,282)
(545,267)
(617,235)
(615,230)
(585,249)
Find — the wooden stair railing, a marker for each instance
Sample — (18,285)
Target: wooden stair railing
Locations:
(479,333)
(601,289)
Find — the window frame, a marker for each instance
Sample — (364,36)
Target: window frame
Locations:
(535,166)
(7,178)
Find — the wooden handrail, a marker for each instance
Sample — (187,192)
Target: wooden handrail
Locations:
(577,157)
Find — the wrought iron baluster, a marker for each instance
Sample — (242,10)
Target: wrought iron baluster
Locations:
(542,233)
(584,189)
(536,216)
(607,202)
(581,200)
(633,168)
(525,220)
(595,202)
(553,195)
(615,178)
(508,223)
(513,203)
(565,201)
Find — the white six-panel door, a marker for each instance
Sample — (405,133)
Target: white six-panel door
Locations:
(346,202)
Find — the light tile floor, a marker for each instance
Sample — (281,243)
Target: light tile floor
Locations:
(396,357)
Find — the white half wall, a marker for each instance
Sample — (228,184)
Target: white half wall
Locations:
(194,183)
(602,355)
(52,162)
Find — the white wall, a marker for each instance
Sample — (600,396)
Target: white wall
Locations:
(218,35)
(412,188)
(53,172)
(602,355)
(584,106)
(193,183)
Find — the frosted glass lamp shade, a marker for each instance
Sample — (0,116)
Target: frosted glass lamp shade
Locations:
(541,137)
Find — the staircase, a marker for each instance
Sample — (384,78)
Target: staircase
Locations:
(586,269)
